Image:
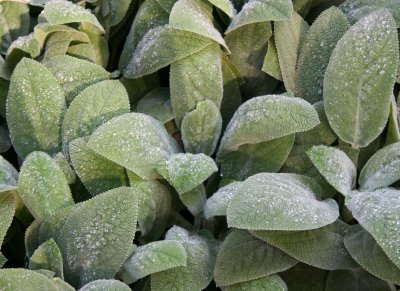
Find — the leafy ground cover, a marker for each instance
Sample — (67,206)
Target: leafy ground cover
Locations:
(199,145)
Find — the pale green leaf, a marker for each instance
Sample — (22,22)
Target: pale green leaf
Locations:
(265,118)
(196,78)
(322,247)
(356,9)
(154,206)
(335,166)
(47,273)
(152,258)
(250,159)
(97,237)
(98,41)
(157,104)
(22,279)
(74,74)
(62,285)
(289,37)
(135,141)
(84,51)
(105,285)
(187,171)
(261,11)
(271,61)
(14,22)
(150,15)
(42,32)
(248,45)
(382,169)
(194,199)
(113,11)
(315,53)
(7,209)
(225,5)
(379,213)
(52,225)
(393,131)
(57,44)
(197,273)
(243,257)
(267,283)
(3,260)
(32,241)
(35,107)
(355,280)
(201,128)
(64,165)
(189,15)
(97,173)
(364,63)
(43,186)
(217,204)
(63,12)
(47,256)
(93,106)
(8,174)
(160,47)
(364,249)
(23,46)
(269,201)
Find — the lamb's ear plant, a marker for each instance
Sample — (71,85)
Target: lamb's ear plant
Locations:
(199,145)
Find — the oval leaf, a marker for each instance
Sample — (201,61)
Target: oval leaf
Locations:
(22,279)
(47,256)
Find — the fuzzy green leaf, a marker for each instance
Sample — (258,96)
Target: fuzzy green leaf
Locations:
(267,283)
(22,279)
(316,51)
(35,107)
(63,12)
(64,165)
(97,237)
(322,247)
(105,285)
(335,166)
(32,237)
(364,63)
(265,118)
(97,173)
(364,249)
(270,201)
(8,175)
(197,274)
(289,37)
(7,209)
(271,61)
(194,199)
(201,128)
(94,106)
(261,11)
(160,47)
(47,256)
(225,5)
(187,171)
(217,204)
(382,169)
(43,186)
(157,104)
(135,141)
(74,74)
(152,258)
(196,78)
(243,257)
(379,213)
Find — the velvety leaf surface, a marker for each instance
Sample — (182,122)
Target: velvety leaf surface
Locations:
(364,249)
(378,212)
(316,51)
(284,202)
(243,257)
(261,11)
(47,256)
(364,62)
(267,283)
(35,106)
(74,74)
(22,279)
(152,258)
(97,237)
(265,118)
(135,141)
(225,5)
(217,204)
(382,169)
(201,128)
(322,247)
(196,78)
(187,171)
(271,61)
(7,207)
(105,285)
(157,104)
(335,166)
(42,186)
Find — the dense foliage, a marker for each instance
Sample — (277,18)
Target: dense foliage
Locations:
(199,144)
